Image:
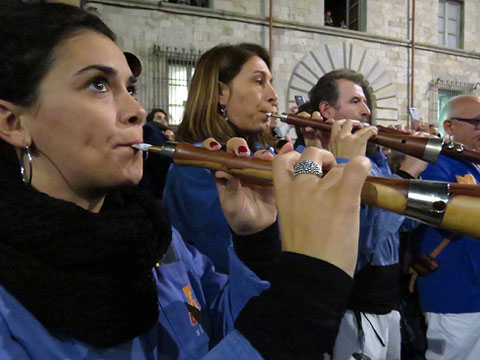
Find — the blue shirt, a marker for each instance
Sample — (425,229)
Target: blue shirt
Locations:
(455,286)
(192,201)
(186,278)
(379,239)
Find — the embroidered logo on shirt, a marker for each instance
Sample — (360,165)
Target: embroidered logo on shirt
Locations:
(193,308)
(467,179)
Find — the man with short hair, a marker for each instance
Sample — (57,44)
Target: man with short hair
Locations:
(371,328)
(450,295)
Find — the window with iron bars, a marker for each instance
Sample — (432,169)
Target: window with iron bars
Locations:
(172,71)
(439,92)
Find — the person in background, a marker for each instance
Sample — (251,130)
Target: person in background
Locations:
(230,94)
(159,116)
(155,132)
(90,268)
(328,18)
(371,326)
(450,295)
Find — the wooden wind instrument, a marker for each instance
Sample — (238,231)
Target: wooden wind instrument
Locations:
(449,206)
(427,149)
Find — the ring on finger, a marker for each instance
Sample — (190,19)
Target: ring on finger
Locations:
(307,167)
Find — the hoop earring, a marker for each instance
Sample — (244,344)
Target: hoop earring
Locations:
(26,177)
(223,112)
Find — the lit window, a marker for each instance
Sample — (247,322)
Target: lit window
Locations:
(179,76)
(171,73)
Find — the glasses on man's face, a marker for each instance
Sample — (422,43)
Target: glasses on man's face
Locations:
(475,122)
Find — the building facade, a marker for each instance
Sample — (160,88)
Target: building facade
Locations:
(379,43)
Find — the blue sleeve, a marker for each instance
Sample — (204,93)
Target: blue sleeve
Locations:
(380,167)
(191,199)
(221,296)
(379,229)
(234,346)
(9,348)
(226,302)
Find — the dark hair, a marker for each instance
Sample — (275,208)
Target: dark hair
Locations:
(326,88)
(152,113)
(300,138)
(29,34)
(202,118)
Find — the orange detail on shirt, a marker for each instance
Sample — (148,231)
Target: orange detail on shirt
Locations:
(192,302)
(467,179)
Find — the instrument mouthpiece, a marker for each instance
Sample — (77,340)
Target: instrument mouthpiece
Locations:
(143,147)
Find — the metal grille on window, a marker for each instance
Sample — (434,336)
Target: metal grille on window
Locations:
(172,71)
(439,92)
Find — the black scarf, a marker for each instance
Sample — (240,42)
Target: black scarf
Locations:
(81,274)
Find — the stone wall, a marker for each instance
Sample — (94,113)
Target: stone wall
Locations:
(297,30)
(70,2)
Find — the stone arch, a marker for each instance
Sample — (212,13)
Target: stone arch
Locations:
(326,58)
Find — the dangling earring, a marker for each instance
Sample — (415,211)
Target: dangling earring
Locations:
(223,112)
(26,176)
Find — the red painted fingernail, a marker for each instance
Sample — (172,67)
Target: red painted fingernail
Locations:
(213,144)
(242,149)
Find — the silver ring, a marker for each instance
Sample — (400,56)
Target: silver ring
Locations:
(307,167)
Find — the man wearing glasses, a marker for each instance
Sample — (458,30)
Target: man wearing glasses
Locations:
(450,295)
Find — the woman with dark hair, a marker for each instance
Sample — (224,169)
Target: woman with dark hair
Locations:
(230,93)
(91,269)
